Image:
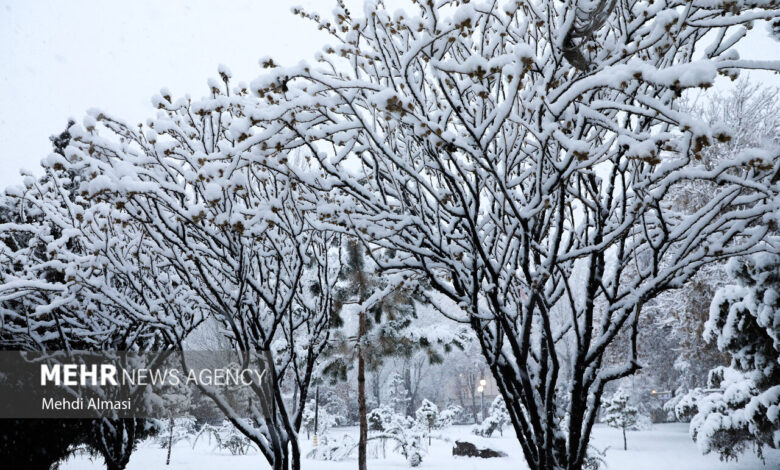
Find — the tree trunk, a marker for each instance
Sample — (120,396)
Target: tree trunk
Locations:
(170,441)
(363,440)
(296,454)
(116,442)
(625,445)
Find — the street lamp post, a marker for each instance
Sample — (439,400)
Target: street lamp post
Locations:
(481,390)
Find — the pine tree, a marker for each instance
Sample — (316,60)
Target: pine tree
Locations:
(619,414)
(427,415)
(499,414)
(399,395)
(497,419)
(324,420)
(384,309)
(745,323)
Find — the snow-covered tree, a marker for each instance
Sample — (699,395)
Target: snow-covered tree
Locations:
(671,341)
(744,322)
(497,419)
(325,420)
(683,406)
(468,368)
(522,157)
(499,414)
(449,416)
(427,415)
(379,418)
(41,312)
(619,414)
(383,310)
(180,220)
(404,431)
(399,395)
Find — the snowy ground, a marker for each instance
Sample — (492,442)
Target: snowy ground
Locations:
(665,447)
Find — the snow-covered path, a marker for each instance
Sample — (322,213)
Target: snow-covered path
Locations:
(665,447)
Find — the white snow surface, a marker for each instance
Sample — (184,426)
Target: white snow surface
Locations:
(664,447)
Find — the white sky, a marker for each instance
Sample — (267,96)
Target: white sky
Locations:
(60,58)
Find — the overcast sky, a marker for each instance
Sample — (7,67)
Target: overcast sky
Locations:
(60,58)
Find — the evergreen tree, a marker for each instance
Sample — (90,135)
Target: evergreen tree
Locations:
(383,308)
(497,419)
(499,414)
(619,414)
(325,420)
(399,395)
(427,415)
(744,323)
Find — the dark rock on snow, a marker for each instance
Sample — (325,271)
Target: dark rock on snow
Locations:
(468,449)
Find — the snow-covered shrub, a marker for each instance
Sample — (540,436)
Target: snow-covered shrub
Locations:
(449,416)
(427,416)
(745,322)
(226,437)
(643,422)
(338,409)
(595,459)
(333,449)
(183,429)
(407,433)
(379,418)
(619,414)
(414,459)
(684,406)
(409,440)
(497,419)
(670,405)
(325,420)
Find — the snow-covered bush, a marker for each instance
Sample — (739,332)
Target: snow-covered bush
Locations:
(379,418)
(330,448)
(497,419)
(745,322)
(684,406)
(619,414)
(427,416)
(408,434)
(183,429)
(643,422)
(596,459)
(226,437)
(338,408)
(449,416)
(325,420)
